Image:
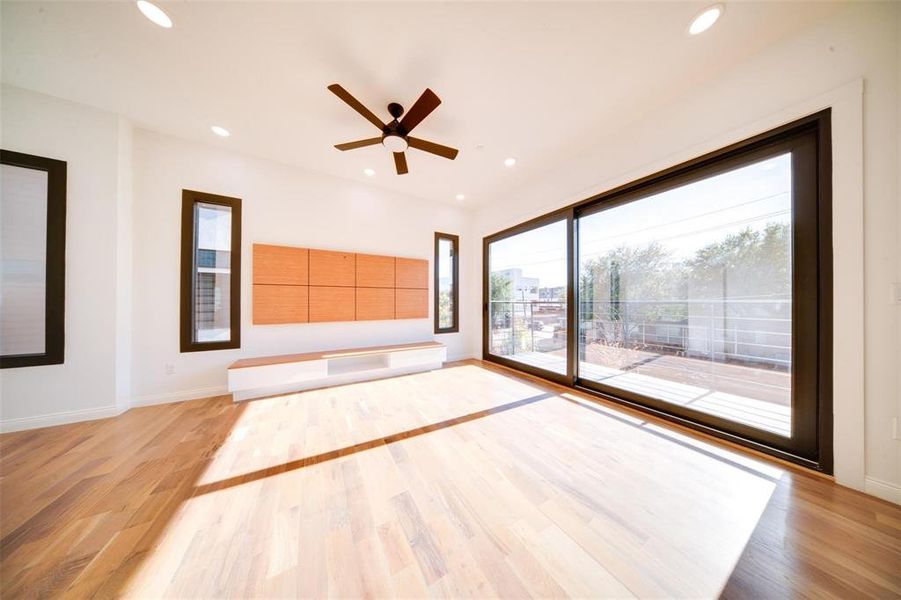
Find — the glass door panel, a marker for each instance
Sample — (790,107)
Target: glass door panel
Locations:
(686,296)
(527,289)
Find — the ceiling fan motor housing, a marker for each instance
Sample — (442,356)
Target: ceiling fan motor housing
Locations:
(395,110)
(394,136)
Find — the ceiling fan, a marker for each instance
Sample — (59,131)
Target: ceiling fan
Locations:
(395,135)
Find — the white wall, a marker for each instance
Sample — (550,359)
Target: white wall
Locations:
(124,276)
(859,42)
(122,259)
(87,139)
(280,205)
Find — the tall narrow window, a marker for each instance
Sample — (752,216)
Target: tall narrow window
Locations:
(32,260)
(447,283)
(210,272)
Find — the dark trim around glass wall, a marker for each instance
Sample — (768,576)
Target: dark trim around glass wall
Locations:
(55,262)
(186,294)
(455,283)
(809,139)
(565,214)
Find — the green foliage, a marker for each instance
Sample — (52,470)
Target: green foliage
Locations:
(635,274)
(500,287)
(445,309)
(748,263)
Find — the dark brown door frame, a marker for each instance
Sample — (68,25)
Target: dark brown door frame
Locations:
(186,294)
(809,137)
(455,279)
(553,217)
(55,262)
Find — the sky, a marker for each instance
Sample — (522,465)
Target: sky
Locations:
(682,219)
(214,227)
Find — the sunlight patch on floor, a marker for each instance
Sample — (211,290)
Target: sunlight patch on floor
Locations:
(548,496)
(283,429)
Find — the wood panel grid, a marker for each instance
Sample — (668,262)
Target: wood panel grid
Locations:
(306,285)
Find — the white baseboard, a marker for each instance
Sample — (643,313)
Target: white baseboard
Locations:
(59,418)
(883,489)
(105,412)
(169,397)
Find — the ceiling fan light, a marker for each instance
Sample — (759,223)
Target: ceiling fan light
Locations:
(395,143)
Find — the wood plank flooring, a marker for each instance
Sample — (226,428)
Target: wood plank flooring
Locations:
(463,482)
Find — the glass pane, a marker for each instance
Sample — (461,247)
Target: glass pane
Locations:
(212,272)
(685,295)
(446,260)
(527,297)
(23,260)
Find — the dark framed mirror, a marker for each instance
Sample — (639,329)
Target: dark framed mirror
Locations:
(32,260)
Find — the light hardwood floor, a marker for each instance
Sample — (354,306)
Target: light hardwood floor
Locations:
(467,481)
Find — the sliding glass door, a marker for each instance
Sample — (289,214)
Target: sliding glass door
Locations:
(702,294)
(527,284)
(686,296)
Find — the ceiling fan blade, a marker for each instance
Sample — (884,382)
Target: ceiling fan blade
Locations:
(359,144)
(432,147)
(400,163)
(355,104)
(419,111)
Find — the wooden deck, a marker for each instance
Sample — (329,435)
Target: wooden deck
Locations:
(689,382)
(468,481)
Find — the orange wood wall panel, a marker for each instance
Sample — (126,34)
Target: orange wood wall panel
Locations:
(411,304)
(375,304)
(332,268)
(375,271)
(280,304)
(300,285)
(332,304)
(412,273)
(280,265)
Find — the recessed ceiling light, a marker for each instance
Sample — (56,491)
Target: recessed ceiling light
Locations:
(369,172)
(220,131)
(461,197)
(509,162)
(705,19)
(154,13)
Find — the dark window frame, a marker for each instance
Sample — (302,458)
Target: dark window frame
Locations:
(811,285)
(455,282)
(55,256)
(563,214)
(186,293)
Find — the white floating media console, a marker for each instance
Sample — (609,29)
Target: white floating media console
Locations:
(266,376)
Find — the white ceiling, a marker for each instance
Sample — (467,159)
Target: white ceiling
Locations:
(537,81)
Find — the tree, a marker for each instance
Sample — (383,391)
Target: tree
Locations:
(500,287)
(750,263)
(632,285)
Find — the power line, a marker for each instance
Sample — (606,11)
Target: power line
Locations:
(562,258)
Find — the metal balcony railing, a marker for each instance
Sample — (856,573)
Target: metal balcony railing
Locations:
(742,331)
